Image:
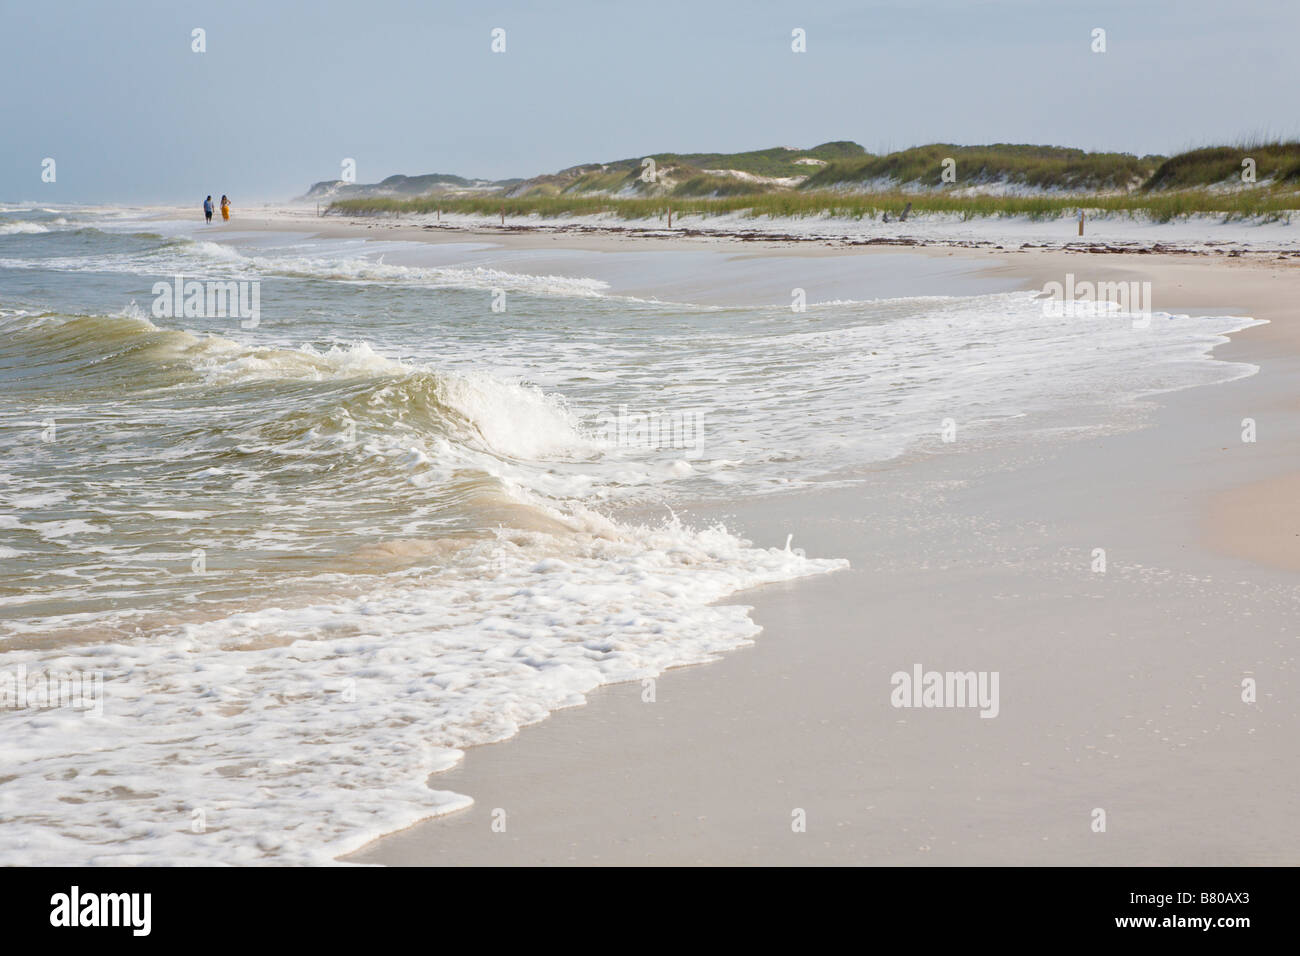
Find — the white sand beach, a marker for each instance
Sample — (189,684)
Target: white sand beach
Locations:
(394,505)
(1120,691)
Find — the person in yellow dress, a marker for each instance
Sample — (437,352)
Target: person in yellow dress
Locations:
(225,209)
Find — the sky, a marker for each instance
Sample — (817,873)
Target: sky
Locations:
(285,91)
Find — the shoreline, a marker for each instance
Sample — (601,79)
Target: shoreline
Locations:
(568,778)
(971,556)
(1118,234)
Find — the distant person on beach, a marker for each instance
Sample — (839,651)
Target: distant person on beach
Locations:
(207,209)
(225,209)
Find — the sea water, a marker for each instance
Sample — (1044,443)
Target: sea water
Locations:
(413,508)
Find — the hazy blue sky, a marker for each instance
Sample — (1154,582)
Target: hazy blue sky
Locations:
(286,90)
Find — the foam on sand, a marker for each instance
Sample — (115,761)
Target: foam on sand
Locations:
(298,733)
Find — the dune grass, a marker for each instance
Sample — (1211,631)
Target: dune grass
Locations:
(1041,167)
(1261,203)
(856,185)
(721,186)
(775,162)
(688,174)
(1276,161)
(853,183)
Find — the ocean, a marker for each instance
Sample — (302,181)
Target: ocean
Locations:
(287,522)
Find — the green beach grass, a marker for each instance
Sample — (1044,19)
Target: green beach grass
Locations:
(1277,162)
(1261,203)
(1046,182)
(1038,167)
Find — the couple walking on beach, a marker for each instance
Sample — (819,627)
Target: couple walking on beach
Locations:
(225,209)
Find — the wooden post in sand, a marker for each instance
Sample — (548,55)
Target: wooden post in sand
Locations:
(1081,222)
(440,215)
(503,215)
(670,217)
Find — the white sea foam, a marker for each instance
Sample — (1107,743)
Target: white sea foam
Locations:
(516,419)
(512,417)
(300,727)
(194,258)
(222,361)
(298,733)
(22,228)
(372,269)
(360,269)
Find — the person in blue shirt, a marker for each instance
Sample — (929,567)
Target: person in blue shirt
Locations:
(207,209)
